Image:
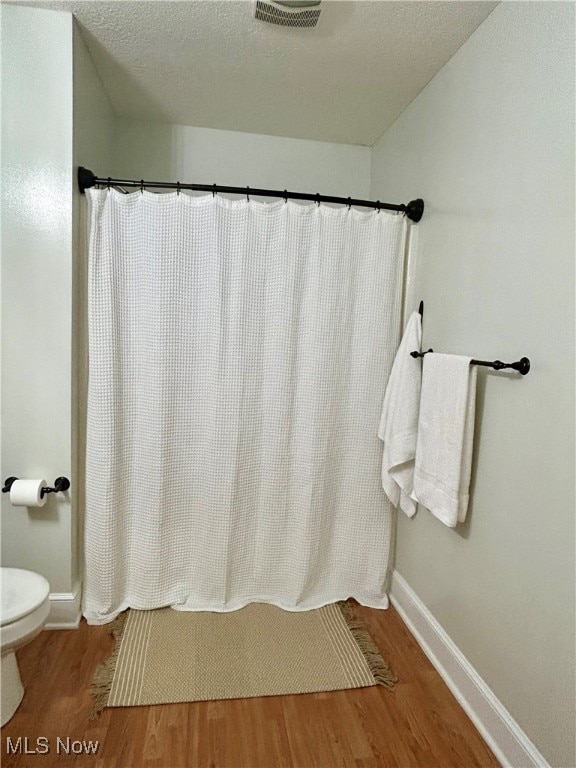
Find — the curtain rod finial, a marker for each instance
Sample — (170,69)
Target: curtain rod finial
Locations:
(86,179)
(415,210)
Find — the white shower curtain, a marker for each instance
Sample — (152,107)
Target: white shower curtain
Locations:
(239,353)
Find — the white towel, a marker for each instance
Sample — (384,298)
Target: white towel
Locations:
(399,420)
(445,436)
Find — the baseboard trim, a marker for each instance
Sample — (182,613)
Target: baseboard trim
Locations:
(64,609)
(506,739)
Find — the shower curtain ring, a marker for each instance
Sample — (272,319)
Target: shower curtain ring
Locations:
(378,205)
(349,204)
(318,199)
(142,186)
(285,196)
(213,190)
(177,187)
(248,194)
(109,180)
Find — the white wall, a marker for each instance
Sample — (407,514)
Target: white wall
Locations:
(36,283)
(92,148)
(207,156)
(55,115)
(489,145)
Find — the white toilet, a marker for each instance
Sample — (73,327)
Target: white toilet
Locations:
(23,613)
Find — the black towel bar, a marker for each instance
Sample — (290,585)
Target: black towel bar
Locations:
(522,365)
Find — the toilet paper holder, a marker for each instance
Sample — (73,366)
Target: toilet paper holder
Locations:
(60,484)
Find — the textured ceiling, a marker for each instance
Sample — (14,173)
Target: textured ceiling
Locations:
(209,63)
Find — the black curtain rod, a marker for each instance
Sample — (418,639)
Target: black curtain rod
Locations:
(413,210)
(522,365)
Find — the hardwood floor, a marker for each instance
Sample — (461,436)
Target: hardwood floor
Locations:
(417,724)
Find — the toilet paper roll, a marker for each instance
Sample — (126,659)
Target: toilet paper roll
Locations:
(26,493)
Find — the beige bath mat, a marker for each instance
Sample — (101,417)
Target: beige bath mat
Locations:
(166,656)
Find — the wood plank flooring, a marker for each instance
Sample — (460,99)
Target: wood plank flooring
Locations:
(419,724)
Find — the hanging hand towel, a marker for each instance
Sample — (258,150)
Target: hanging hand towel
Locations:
(445,436)
(399,420)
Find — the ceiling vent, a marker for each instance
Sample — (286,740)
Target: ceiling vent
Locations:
(288,13)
